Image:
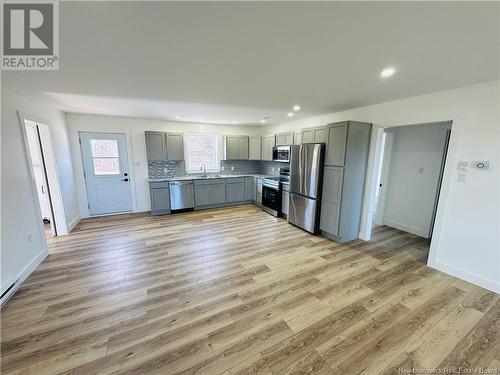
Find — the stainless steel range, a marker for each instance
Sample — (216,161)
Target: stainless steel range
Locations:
(271,192)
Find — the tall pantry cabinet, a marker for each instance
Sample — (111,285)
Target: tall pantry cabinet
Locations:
(347,146)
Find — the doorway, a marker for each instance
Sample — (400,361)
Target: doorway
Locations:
(37,154)
(410,177)
(106,172)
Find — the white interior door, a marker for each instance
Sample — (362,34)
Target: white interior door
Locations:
(106,170)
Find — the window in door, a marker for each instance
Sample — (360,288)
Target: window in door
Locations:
(105,156)
(201,150)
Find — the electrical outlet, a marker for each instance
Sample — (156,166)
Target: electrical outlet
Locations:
(222,168)
(232,167)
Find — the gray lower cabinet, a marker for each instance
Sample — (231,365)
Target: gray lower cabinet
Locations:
(249,188)
(285,195)
(209,192)
(235,190)
(344,179)
(219,192)
(258,192)
(160,198)
(202,194)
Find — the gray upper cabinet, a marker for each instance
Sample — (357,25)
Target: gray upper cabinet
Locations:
(236,147)
(347,149)
(284,139)
(314,135)
(268,142)
(162,146)
(156,146)
(254,147)
(175,149)
(336,145)
(297,138)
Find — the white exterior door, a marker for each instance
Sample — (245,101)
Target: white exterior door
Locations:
(107,176)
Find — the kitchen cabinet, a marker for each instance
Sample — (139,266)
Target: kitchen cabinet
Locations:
(209,192)
(336,145)
(285,199)
(161,146)
(235,190)
(236,147)
(202,193)
(258,192)
(284,139)
(218,192)
(297,138)
(268,142)
(156,146)
(344,176)
(254,147)
(175,146)
(160,198)
(314,135)
(249,188)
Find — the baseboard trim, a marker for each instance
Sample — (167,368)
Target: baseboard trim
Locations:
(23,275)
(483,282)
(74,222)
(406,228)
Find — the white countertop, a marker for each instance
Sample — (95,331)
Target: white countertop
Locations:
(198,177)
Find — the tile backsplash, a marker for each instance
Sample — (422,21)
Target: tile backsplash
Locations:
(170,169)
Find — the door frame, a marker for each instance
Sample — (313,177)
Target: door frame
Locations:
(52,174)
(131,174)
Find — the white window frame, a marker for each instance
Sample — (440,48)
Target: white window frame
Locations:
(217,152)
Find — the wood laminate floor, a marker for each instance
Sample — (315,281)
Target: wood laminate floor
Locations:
(237,291)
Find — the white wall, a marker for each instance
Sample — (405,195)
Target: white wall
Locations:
(466,239)
(20,212)
(413,171)
(134,128)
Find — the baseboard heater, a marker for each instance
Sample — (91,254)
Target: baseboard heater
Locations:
(3,302)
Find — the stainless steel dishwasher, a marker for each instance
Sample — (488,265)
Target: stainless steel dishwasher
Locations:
(181,195)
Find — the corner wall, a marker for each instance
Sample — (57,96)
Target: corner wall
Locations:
(466,240)
(23,245)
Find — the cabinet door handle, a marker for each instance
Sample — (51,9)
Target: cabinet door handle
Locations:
(125,179)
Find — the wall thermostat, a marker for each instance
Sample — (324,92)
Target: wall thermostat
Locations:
(482,164)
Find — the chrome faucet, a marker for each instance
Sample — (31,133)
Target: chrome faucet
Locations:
(204,169)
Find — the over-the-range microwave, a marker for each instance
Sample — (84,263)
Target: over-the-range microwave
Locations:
(281,154)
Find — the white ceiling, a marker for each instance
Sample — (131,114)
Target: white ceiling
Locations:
(225,62)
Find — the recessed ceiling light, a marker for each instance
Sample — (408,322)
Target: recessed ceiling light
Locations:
(234,122)
(296,107)
(177,117)
(387,72)
(290,114)
(262,121)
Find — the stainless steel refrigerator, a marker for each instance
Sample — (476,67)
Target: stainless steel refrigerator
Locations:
(306,180)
